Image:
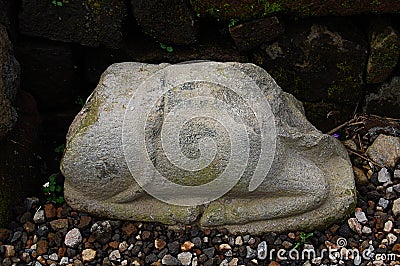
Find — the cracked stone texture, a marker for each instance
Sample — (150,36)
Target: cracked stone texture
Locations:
(310,183)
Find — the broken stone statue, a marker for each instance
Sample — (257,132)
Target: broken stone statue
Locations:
(217,144)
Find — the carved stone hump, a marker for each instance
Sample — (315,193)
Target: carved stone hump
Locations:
(218,144)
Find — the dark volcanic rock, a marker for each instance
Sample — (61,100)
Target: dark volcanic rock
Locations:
(247,9)
(170,22)
(317,61)
(384,45)
(386,101)
(89,22)
(251,34)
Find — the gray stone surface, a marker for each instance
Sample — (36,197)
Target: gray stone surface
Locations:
(9,83)
(385,150)
(310,182)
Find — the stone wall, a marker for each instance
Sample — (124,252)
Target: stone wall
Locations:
(337,57)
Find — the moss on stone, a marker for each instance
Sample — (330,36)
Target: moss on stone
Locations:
(383,57)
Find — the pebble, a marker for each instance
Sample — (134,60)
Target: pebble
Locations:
(209,252)
(88,255)
(388,226)
(185,258)
(385,150)
(64,261)
(262,250)
(59,224)
(170,260)
(396,188)
(233,262)
(251,253)
(9,251)
(396,207)
(187,246)
(159,244)
(29,227)
(129,229)
(360,177)
(225,247)
(39,217)
(238,241)
(115,255)
(357,260)
(384,176)
(73,238)
(53,257)
(102,231)
(384,203)
(391,238)
(355,225)
(16,236)
(360,216)
(50,211)
(42,247)
(396,174)
(123,246)
(366,230)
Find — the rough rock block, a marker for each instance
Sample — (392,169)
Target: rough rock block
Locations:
(88,22)
(384,43)
(218,143)
(170,22)
(386,101)
(251,34)
(317,61)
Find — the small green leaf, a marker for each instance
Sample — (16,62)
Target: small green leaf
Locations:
(59,3)
(52,188)
(46,190)
(52,179)
(60,199)
(59,188)
(170,49)
(163,45)
(54,2)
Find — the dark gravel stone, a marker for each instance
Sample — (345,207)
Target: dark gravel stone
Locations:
(42,231)
(174,247)
(150,259)
(209,252)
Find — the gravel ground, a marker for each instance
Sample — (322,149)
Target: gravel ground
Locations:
(50,234)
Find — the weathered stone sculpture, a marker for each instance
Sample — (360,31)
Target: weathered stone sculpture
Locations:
(215,143)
